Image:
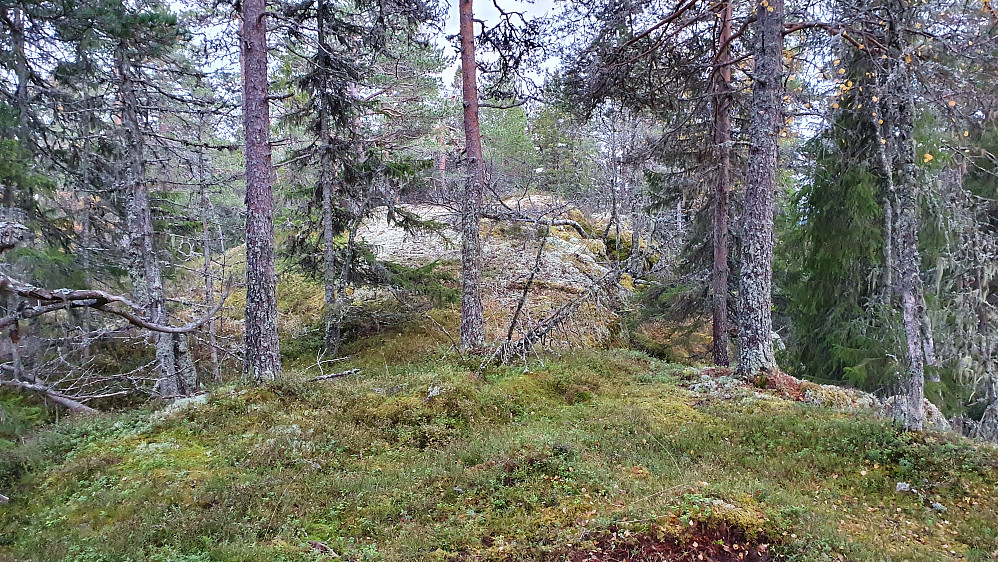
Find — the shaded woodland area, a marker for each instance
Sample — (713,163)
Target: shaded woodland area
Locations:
(206,201)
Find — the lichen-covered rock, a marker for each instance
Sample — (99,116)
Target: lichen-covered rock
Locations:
(179,406)
(567,267)
(837,397)
(722,384)
(934,418)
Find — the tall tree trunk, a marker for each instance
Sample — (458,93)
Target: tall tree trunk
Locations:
(86,227)
(263,354)
(472,320)
(636,259)
(331,334)
(206,252)
(176,374)
(918,336)
(909,282)
(755,344)
(21,102)
(722,189)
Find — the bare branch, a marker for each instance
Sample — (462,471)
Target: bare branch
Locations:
(52,395)
(59,299)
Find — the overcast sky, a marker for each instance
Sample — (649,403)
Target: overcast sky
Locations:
(485,10)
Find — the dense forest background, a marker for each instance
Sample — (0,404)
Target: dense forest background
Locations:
(596,280)
(843,207)
(871,184)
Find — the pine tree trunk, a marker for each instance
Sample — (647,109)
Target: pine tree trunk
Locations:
(755,344)
(262,361)
(85,224)
(722,190)
(472,320)
(10,197)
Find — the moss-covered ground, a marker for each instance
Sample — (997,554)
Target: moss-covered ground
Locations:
(421,457)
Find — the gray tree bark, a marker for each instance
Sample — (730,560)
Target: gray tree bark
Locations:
(176,369)
(472,319)
(722,190)
(262,360)
(206,252)
(755,344)
(918,346)
(331,318)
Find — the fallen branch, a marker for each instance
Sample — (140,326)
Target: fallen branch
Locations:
(512,216)
(53,395)
(526,287)
(334,375)
(525,344)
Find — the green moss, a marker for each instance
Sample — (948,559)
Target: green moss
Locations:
(418,458)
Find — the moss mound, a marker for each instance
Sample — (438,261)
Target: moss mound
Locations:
(418,457)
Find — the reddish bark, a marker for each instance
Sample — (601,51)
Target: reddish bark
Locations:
(263,356)
(472,320)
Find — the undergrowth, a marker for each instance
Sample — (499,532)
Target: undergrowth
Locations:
(421,457)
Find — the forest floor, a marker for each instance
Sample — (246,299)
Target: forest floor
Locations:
(589,455)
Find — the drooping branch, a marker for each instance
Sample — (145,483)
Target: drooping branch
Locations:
(60,299)
(52,395)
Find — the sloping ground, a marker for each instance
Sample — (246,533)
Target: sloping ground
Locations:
(586,456)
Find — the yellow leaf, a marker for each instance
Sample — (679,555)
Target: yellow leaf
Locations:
(875,99)
(927,158)
(966,133)
(835,106)
(952,103)
(842,71)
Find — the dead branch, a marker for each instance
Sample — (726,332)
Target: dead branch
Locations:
(526,287)
(335,375)
(57,397)
(525,344)
(514,216)
(61,299)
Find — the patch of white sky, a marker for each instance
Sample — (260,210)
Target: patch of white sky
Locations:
(222,59)
(486,11)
